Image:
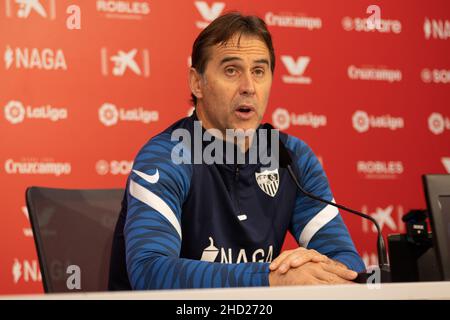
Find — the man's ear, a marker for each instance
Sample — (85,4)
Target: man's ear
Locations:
(195,83)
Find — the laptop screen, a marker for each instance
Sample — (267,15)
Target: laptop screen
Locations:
(437,191)
(444,204)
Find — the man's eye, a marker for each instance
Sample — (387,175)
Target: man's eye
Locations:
(259,72)
(230,71)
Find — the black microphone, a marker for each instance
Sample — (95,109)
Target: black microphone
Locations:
(285,161)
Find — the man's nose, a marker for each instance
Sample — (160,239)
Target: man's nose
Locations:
(247,85)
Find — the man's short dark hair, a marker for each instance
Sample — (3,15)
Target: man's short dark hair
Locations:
(223,29)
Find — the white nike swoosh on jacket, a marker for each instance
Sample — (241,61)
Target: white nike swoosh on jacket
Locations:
(149,178)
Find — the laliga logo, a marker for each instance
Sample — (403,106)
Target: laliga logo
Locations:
(14,112)
(437,123)
(281,119)
(360,121)
(208,13)
(108,114)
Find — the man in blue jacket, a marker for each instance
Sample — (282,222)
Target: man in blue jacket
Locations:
(195,223)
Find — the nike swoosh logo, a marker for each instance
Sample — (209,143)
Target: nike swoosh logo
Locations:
(147,177)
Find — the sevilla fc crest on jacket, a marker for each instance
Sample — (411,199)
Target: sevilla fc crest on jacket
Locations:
(268,181)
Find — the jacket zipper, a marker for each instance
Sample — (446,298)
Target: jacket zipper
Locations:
(236,193)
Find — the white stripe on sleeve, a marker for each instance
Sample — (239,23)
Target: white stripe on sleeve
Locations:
(316,223)
(152,200)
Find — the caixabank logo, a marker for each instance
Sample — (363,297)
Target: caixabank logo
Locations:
(121,62)
(389,218)
(25,9)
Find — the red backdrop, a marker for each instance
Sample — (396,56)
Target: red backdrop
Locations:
(78,103)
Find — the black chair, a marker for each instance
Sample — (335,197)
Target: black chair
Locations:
(74,227)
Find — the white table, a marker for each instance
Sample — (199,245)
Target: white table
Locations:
(403,291)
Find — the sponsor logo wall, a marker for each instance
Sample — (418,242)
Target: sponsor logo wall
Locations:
(84,84)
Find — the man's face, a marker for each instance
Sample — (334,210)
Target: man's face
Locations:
(235,87)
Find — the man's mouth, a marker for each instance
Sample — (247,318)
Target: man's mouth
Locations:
(244,112)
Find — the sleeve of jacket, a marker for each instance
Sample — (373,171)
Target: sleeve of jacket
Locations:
(157,189)
(316,225)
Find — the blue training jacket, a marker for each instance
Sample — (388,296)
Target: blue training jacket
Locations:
(188,225)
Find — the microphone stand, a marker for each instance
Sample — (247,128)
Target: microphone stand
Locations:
(384,268)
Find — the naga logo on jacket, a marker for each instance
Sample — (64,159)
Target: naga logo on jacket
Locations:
(227,255)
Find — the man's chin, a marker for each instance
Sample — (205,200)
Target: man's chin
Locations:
(246,125)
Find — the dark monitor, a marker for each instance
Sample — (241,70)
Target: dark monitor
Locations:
(437,193)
